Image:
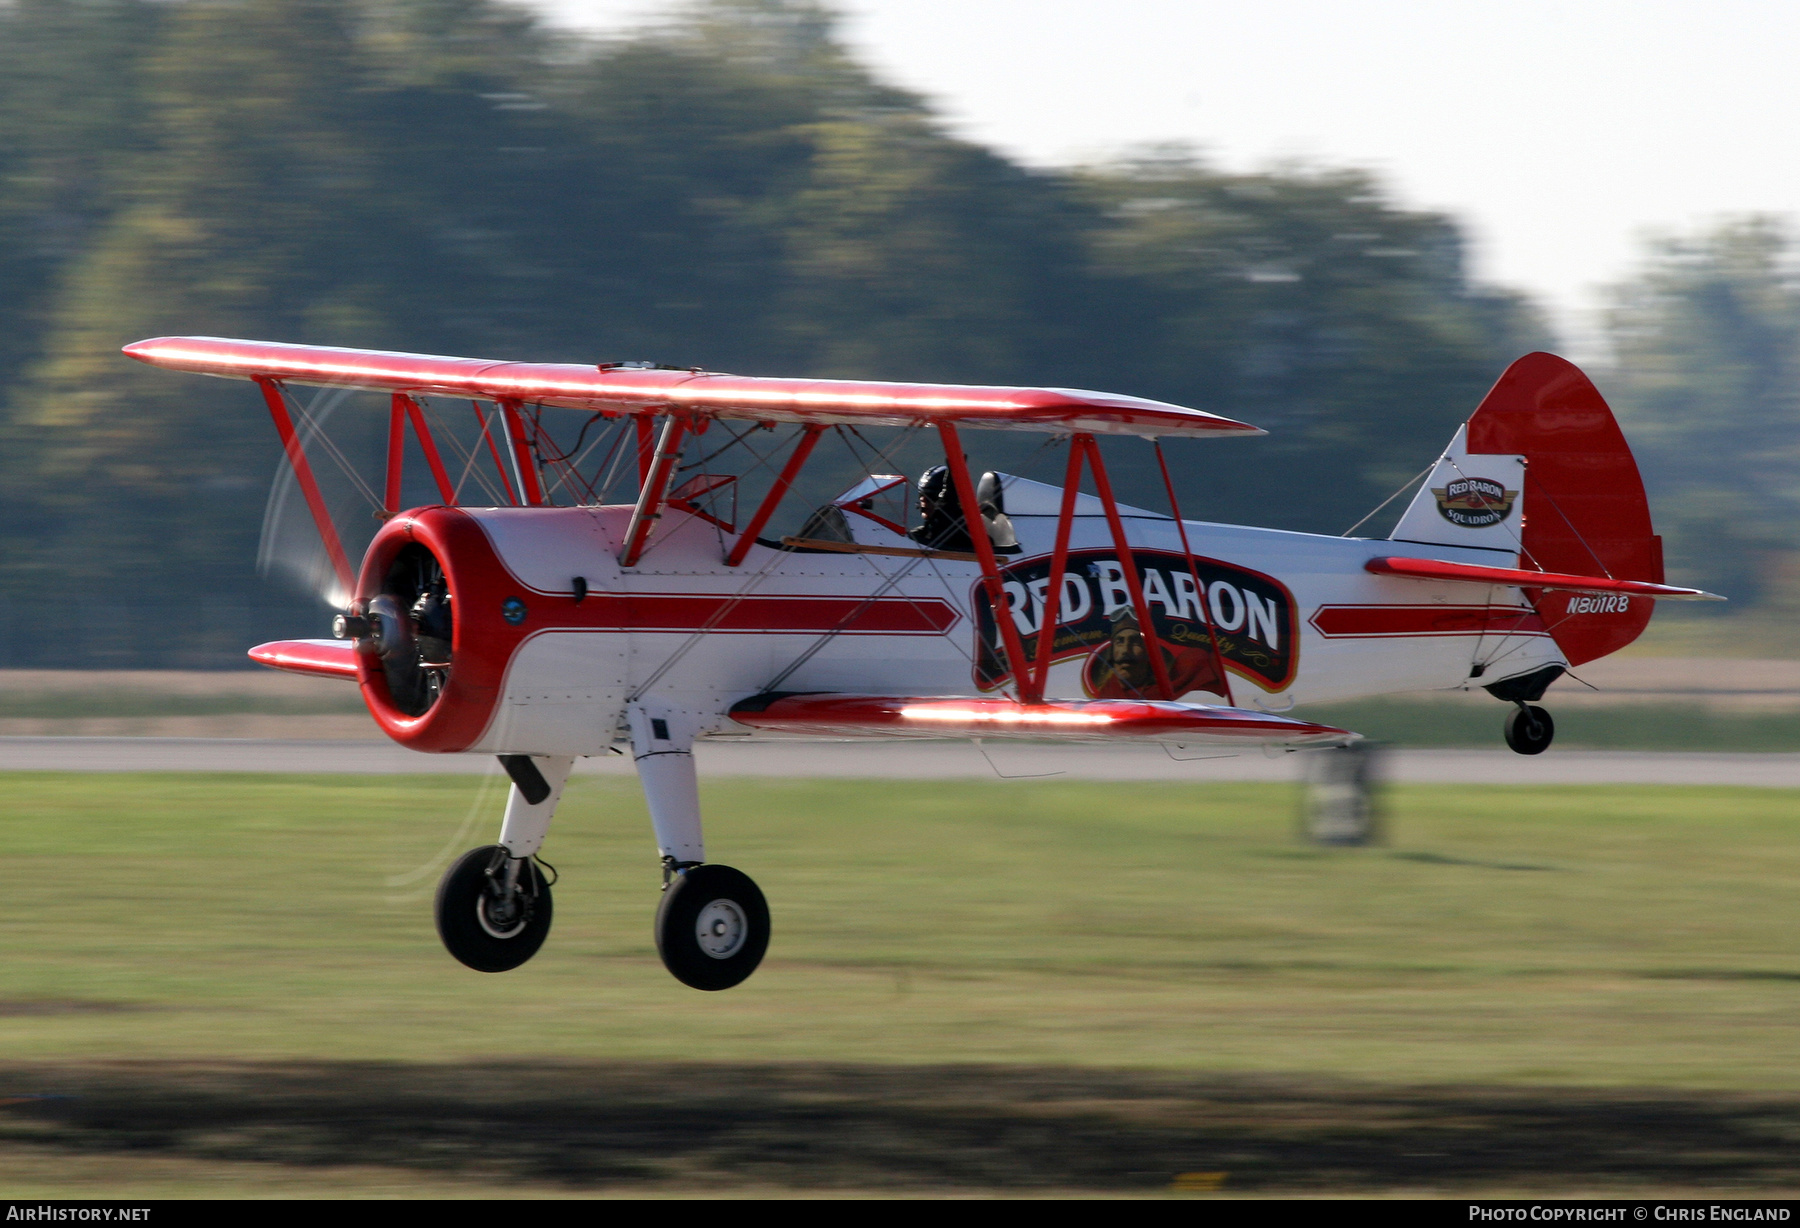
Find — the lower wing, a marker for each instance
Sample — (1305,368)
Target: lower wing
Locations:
(1090,720)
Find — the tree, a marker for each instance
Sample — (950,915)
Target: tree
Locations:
(730,189)
(1306,302)
(1707,345)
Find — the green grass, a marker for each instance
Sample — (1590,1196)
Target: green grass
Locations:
(1400,721)
(1435,723)
(1565,936)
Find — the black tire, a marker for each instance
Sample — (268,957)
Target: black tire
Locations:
(468,928)
(1529,730)
(731,908)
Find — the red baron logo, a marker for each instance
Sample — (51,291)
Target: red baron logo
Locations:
(1474,503)
(1252,615)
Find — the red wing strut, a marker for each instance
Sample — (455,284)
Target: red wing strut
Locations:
(1092,720)
(1440,569)
(703,394)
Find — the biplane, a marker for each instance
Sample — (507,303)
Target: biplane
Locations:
(590,597)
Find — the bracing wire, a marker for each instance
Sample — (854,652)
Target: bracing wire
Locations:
(316,431)
(617,435)
(718,616)
(468,456)
(1404,487)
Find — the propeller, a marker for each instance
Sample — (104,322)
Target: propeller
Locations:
(290,547)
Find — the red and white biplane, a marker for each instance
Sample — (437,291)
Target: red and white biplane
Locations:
(557,624)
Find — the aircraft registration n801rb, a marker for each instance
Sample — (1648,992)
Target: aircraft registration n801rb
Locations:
(540,623)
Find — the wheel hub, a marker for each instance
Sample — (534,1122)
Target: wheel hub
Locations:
(721,929)
(502,916)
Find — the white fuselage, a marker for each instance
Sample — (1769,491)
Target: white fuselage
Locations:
(1350,633)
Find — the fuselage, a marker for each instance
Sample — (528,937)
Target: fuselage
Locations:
(1294,618)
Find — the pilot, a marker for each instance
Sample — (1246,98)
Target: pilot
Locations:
(940,511)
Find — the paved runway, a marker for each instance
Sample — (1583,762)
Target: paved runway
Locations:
(912,760)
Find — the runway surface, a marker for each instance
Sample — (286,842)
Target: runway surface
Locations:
(912,760)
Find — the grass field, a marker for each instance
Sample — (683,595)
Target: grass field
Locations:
(234,982)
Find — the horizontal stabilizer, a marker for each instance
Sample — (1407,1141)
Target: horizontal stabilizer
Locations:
(320,658)
(1470,573)
(622,388)
(1089,720)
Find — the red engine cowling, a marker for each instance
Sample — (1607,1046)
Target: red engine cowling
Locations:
(438,599)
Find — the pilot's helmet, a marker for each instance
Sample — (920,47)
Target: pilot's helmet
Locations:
(935,489)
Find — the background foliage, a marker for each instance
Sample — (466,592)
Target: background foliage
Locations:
(1707,339)
(728,189)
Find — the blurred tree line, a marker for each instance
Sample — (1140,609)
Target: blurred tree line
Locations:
(1706,379)
(728,189)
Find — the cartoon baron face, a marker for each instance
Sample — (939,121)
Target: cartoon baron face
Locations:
(1120,667)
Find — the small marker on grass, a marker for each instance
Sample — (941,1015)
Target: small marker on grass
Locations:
(1198,1183)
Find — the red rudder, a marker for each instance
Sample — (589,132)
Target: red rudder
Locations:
(1584,505)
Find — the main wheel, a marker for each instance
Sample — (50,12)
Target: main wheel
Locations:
(481,923)
(712,927)
(1529,730)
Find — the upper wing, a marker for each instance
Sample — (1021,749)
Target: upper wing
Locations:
(633,390)
(1514,577)
(1091,720)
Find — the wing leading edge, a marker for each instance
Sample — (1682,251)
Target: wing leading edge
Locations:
(1093,720)
(634,390)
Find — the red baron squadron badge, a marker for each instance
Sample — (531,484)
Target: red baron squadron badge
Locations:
(1252,615)
(1474,503)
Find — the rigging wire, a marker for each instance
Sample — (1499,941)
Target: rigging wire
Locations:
(618,455)
(617,435)
(891,582)
(440,430)
(316,431)
(1526,554)
(533,422)
(752,582)
(718,616)
(731,442)
(950,589)
(567,463)
(844,622)
(1011,775)
(1425,472)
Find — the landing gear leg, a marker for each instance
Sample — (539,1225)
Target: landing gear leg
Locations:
(493,904)
(1529,729)
(713,924)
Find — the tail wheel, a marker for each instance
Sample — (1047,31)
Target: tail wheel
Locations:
(1529,729)
(712,927)
(487,922)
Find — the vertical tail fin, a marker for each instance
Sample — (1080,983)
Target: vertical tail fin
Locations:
(1575,505)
